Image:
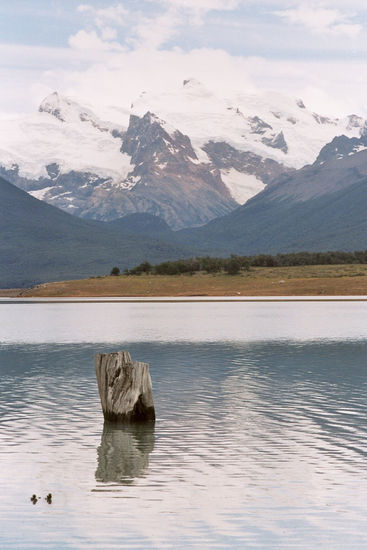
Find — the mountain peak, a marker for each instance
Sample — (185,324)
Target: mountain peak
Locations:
(52,105)
(150,137)
(196,88)
(192,83)
(66,110)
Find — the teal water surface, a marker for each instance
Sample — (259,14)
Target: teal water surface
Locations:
(260,440)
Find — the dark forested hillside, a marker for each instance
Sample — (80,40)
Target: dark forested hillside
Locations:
(39,243)
(321,207)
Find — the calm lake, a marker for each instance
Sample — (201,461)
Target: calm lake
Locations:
(260,440)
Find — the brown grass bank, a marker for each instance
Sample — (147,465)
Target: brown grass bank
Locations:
(333,280)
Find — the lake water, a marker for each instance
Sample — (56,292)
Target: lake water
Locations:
(260,440)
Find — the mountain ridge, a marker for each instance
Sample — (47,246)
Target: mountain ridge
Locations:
(236,145)
(40,243)
(319,207)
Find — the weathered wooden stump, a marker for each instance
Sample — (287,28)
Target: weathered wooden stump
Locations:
(125,388)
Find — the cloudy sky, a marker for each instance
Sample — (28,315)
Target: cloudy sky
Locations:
(104,52)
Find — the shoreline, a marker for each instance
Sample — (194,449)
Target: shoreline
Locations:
(178,299)
(10,292)
(297,282)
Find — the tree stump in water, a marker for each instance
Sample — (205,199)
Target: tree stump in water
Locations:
(125,388)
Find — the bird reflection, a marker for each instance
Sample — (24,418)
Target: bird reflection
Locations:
(124,452)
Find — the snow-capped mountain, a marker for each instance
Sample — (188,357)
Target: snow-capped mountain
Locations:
(187,156)
(63,135)
(267,124)
(318,207)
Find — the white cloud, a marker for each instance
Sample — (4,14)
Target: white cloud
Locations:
(83,8)
(106,20)
(120,77)
(204,5)
(157,28)
(330,88)
(91,42)
(321,20)
(118,53)
(197,9)
(108,33)
(112,14)
(154,32)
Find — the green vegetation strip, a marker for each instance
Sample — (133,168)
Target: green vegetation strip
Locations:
(235,264)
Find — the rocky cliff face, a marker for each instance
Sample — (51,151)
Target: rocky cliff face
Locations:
(319,207)
(165,179)
(226,157)
(169,180)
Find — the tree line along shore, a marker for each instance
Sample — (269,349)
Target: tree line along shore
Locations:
(299,274)
(235,263)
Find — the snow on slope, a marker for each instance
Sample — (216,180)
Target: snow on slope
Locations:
(241,186)
(65,134)
(268,124)
(40,193)
(67,110)
(247,131)
(249,122)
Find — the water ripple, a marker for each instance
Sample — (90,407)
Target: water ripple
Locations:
(257,445)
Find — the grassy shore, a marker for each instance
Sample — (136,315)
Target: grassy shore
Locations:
(342,280)
(9,292)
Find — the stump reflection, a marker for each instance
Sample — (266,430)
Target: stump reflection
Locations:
(124,452)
